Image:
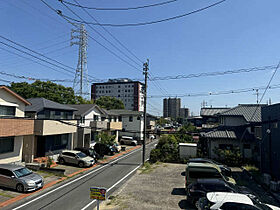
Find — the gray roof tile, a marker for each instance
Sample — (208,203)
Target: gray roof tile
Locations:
(38,104)
(251,112)
(212,111)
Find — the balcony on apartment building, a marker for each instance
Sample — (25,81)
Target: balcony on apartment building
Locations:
(16,127)
(99,125)
(54,127)
(114,125)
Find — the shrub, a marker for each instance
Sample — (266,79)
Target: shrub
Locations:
(105,138)
(229,157)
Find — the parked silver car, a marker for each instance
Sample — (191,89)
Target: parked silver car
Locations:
(128,140)
(75,157)
(19,178)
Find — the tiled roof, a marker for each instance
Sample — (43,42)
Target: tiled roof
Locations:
(229,133)
(82,109)
(39,104)
(251,112)
(224,134)
(124,112)
(212,111)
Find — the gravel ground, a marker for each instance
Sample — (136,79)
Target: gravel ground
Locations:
(160,187)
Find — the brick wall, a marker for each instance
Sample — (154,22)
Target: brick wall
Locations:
(16,127)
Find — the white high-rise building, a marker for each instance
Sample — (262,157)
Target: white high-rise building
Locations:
(131,93)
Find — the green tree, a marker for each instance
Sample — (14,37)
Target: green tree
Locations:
(161,121)
(105,138)
(108,102)
(48,90)
(230,157)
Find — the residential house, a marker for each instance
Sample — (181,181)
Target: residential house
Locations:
(54,128)
(270,153)
(132,123)
(91,121)
(210,116)
(13,125)
(151,122)
(240,127)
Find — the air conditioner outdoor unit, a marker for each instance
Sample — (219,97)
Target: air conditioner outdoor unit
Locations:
(266,179)
(273,186)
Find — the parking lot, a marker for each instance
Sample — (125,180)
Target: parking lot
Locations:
(163,187)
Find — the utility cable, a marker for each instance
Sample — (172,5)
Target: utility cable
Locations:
(115,38)
(119,9)
(74,24)
(146,23)
(102,36)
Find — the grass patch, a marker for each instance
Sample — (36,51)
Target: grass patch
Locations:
(116,201)
(146,168)
(6,195)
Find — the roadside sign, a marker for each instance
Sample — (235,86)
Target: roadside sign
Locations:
(98,193)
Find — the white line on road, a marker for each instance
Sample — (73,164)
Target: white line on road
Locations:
(92,202)
(71,182)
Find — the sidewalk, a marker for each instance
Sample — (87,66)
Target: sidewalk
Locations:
(9,196)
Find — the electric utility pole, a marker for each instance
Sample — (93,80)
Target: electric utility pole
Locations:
(80,84)
(145,72)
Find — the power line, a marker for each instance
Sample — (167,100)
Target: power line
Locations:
(36,58)
(115,38)
(146,23)
(217,73)
(120,9)
(60,14)
(103,36)
(40,54)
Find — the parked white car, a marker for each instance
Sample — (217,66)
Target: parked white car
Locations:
(128,141)
(231,201)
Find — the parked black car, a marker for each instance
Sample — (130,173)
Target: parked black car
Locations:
(103,149)
(225,170)
(89,152)
(199,188)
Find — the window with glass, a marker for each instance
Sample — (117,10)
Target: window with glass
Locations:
(7,111)
(6,144)
(130,118)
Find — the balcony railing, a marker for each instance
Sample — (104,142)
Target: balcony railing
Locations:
(16,127)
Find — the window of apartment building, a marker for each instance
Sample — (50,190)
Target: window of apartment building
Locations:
(119,95)
(130,118)
(138,118)
(119,91)
(132,104)
(125,91)
(125,86)
(6,144)
(120,118)
(119,86)
(7,111)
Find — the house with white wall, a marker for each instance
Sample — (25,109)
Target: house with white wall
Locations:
(92,120)
(132,123)
(13,125)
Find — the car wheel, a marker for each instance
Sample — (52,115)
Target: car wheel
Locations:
(81,164)
(61,161)
(20,188)
(121,143)
(133,144)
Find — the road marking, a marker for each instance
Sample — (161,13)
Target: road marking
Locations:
(92,202)
(68,183)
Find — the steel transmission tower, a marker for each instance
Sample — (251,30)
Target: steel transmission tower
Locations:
(81,85)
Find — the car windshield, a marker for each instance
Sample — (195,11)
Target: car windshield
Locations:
(22,172)
(81,155)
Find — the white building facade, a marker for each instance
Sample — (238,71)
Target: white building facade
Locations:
(128,91)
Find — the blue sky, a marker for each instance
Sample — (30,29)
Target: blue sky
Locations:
(235,34)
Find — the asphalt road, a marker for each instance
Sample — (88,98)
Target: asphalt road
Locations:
(74,194)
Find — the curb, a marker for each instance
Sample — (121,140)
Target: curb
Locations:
(20,197)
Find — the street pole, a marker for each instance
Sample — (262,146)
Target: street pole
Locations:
(145,72)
